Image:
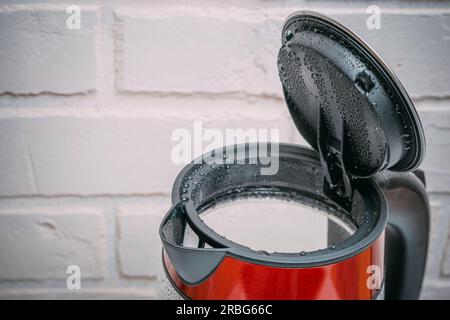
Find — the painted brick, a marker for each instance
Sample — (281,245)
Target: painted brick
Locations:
(197,54)
(445,260)
(84,294)
(202,53)
(40,54)
(439,220)
(419,64)
(435,291)
(41,243)
(102,155)
(139,246)
(436,124)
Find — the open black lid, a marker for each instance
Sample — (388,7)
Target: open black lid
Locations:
(345,101)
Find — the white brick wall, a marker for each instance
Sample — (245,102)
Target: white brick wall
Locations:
(39,243)
(86,117)
(37,53)
(139,247)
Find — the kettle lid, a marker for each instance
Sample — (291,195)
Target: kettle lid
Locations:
(345,101)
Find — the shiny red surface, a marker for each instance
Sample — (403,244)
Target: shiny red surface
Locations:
(237,279)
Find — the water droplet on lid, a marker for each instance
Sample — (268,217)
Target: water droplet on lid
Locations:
(405,136)
(289,35)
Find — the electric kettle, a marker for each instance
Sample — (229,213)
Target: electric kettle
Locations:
(361,172)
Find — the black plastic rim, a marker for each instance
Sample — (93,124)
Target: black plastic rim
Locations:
(365,235)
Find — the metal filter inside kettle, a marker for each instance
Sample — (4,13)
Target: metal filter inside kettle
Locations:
(367,143)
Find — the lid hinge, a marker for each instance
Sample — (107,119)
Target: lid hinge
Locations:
(330,145)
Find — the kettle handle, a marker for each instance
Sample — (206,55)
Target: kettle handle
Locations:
(406,233)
